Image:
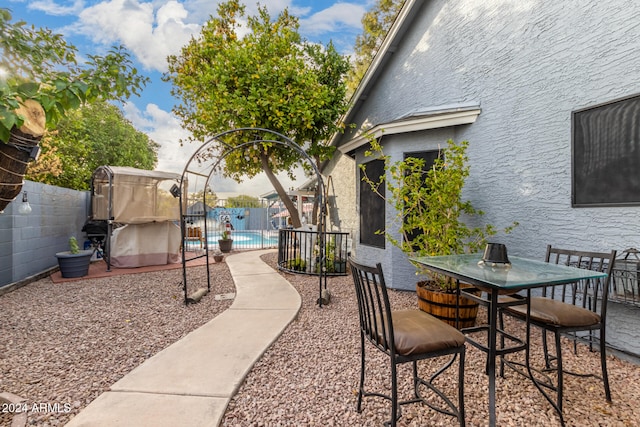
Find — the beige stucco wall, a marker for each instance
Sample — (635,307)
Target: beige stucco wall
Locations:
(340,175)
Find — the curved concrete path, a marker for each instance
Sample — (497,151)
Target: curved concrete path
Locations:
(191,382)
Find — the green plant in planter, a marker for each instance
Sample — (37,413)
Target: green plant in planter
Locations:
(74,262)
(225,242)
(430,208)
(73,245)
(298,264)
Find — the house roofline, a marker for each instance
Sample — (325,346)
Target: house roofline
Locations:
(389,46)
(434,118)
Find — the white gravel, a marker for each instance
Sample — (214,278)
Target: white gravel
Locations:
(67,343)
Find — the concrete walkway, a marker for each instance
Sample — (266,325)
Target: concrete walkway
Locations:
(191,382)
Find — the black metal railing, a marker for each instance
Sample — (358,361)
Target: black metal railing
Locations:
(625,281)
(299,252)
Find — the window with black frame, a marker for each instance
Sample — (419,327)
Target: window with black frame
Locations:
(372,205)
(606,154)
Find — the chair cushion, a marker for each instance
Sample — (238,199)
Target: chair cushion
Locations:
(558,313)
(417,332)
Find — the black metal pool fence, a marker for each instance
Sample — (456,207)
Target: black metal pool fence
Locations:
(298,252)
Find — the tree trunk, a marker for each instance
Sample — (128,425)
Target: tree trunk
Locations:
(288,203)
(316,200)
(15,154)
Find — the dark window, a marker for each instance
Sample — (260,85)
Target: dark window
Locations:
(428,156)
(372,206)
(606,154)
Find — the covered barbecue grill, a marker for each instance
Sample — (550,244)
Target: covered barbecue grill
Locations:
(139,213)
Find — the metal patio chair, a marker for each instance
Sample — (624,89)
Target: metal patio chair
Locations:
(405,336)
(577,310)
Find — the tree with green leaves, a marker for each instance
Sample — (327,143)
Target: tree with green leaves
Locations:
(40,65)
(94,135)
(270,78)
(375,25)
(243,201)
(208,197)
(40,82)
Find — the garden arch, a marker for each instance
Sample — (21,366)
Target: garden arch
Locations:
(207,160)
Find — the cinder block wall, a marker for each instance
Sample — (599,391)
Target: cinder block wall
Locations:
(28,243)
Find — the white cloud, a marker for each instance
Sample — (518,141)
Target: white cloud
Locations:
(151,33)
(164,128)
(57,8)
(340,16)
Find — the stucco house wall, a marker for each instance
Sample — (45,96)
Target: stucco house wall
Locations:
(527,65)
(341,191)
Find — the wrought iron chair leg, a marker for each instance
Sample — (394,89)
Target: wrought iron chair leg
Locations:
(545,348)
(502,342)
(362,367)
(603,364)
(559,371)
(461,389)
(394,394)
(416,381)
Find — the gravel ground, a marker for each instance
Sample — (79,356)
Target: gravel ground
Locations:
(310,377)
(67,343)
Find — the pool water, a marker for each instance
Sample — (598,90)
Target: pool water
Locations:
(246,239)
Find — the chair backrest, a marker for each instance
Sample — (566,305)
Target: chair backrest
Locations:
(194,232)
(373,305)
(591,294)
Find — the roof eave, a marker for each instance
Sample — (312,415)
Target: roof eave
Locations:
(384,54)
(438,118)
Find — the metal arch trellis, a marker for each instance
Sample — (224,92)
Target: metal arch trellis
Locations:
(211,162)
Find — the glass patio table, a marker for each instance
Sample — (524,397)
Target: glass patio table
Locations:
(522,274)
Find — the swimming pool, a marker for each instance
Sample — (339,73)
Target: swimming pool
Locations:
(247,239)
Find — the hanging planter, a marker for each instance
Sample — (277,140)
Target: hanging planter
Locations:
(19,150)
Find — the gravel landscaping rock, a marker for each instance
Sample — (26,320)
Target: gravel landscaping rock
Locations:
(309,377)
(64,344)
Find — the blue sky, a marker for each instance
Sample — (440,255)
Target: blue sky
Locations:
(153,29)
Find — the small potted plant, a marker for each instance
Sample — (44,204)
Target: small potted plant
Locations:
(217,256)
(74,262)
(225,242)
(429,208)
